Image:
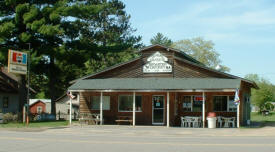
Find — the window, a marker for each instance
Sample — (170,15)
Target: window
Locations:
(5,102)
(192,103)
(232,107)
(197,104)
(39,109)
(220,103)
(95,100)
(125,103)
(187,103)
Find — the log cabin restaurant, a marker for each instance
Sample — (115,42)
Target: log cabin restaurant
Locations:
(163,86)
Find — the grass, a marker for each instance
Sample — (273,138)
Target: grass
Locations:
(35,124)
(258,117)
(261,121)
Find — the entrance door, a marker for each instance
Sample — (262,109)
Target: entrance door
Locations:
(158,110)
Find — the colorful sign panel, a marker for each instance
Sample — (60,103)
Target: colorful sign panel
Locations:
(17,62)
(157,63)
(198,98)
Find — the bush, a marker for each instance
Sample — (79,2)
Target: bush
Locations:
(269,106)
(9,117)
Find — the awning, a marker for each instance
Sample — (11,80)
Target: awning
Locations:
(156,84)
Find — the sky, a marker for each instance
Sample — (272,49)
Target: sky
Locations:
(243,31)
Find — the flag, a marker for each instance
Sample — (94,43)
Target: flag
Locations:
(237,98)
(70,95)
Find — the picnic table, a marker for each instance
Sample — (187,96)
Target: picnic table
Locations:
(122,119)
(88,118)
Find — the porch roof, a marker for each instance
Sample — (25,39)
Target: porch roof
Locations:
(156,84)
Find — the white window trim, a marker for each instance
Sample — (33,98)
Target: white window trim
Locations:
(38,107)
(127,110)
(192,100)
(227,109)
(99,103)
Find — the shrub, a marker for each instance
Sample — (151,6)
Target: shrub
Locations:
(9,117)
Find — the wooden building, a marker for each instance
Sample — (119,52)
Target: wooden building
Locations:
(10,99)
(38,107)
(160,87)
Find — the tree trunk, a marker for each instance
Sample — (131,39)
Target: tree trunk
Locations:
(52,81)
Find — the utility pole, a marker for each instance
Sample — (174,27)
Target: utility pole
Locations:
(28,75)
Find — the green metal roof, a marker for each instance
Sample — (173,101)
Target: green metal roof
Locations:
(155,84)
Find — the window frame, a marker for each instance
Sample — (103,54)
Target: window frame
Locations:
(91,97)
(5,102)
(227,102)
(118,103)
(192,101)
(39,107)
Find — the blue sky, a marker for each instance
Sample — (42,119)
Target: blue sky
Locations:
(243,31)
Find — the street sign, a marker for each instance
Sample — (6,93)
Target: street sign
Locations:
(17,62)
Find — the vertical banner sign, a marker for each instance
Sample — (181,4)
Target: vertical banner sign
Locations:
(17,62)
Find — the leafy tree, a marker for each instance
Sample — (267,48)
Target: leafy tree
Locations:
(203,51)
(64,34)
(162,40)
(264,94)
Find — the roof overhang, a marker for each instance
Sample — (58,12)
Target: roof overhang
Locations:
(156,85)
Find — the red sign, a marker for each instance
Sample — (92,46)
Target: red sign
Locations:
(198,98)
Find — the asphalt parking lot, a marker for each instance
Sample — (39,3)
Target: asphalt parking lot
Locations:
(139,138)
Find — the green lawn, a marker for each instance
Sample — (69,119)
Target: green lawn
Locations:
(259,119)
(35,124)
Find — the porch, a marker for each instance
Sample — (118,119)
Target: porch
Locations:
(150,108)
(157,101)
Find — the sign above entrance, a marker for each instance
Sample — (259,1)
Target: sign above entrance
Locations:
(157,63)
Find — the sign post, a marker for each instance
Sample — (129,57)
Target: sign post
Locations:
(18,64)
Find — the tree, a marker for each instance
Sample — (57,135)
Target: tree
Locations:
(162,40)
(201,50)
(264,94)
(64,34)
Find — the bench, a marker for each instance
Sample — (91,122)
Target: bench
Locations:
(124,119)
(90,119)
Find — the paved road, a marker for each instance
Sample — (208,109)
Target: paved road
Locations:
(124,138)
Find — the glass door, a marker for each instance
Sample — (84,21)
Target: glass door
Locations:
(158,110)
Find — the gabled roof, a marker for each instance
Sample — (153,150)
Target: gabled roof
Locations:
(104,70)
(188,59)
(172,49)
(10,81)
(156,84)
(219,72)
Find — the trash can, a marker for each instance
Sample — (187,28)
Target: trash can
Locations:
(211,120)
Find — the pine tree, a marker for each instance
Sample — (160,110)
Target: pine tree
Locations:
(64,34)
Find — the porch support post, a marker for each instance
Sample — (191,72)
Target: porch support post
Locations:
(70,117)
(203,109)
(134,108)
(167,109)
(101,106)
(238,115)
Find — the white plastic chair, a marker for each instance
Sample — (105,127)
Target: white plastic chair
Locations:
(184,122)
(219,119)
(232,122)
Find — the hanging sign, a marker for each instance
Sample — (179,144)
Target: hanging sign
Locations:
(157,63)
(17,62)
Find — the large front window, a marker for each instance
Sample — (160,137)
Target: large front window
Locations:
(192,103)
(96,102)
(224,103)
(125,103)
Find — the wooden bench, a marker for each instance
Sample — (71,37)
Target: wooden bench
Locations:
(90,119)
(124,119)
